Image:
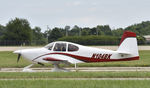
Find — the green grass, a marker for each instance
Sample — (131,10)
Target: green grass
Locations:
(8,59)
(74,83)
(75,75)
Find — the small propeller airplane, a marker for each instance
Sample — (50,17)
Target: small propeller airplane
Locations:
(72,53)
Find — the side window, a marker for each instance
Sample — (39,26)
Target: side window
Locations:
(72,48)
(60,47)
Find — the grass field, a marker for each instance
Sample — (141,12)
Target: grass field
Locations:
(74,83)
(8,59)
(75,75)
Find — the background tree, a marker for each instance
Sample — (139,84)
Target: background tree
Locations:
(55,34)
(18,31)
(140,29)
(85,31)
(117,32)
(100,30)
(93,31)
(107,30)
(2,30)
(75,31)
(38,37)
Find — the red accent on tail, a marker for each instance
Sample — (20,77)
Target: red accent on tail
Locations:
(127,34)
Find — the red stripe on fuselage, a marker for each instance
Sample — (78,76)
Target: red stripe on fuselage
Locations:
(51,59)
(88,59)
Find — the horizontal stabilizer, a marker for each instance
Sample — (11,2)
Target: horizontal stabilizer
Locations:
(124,52)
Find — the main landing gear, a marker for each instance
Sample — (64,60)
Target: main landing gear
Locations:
(28,69)
(57,68)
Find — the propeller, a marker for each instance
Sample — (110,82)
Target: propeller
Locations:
(19,55)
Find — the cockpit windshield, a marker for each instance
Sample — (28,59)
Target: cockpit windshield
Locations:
(60,47)
(49,46)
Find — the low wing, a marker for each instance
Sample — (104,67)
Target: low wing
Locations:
(65,60)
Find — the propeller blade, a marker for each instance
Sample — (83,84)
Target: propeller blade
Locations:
(18,58)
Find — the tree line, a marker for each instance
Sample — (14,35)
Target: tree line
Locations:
(18,32)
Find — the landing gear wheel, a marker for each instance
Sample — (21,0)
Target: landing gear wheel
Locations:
(57,68)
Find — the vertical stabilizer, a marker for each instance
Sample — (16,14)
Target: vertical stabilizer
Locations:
(128,43)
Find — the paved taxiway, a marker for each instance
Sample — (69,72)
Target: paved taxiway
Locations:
(90,69)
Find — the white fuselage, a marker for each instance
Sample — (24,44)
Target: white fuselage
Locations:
(84,54)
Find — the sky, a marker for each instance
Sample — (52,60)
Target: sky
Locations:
(84,13)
